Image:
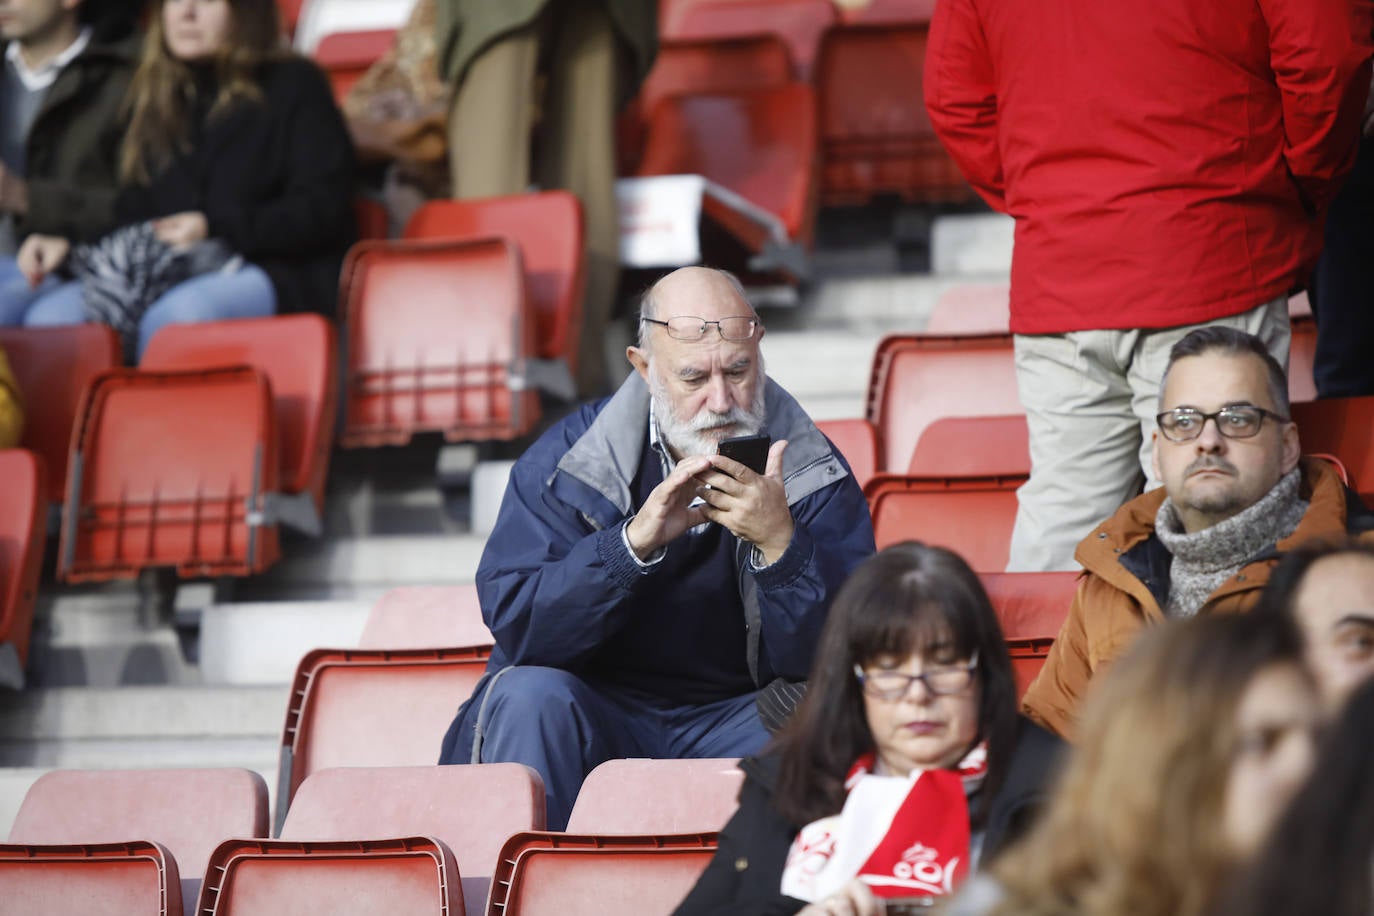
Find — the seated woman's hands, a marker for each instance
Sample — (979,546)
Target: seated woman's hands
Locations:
(854,899)
(182,230)
(40,255)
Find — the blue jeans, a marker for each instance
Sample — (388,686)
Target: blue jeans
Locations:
(15,293)
(245,293)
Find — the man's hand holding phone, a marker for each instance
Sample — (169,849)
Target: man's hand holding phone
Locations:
(752,505)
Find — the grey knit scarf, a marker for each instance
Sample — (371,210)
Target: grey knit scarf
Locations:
(1205,559)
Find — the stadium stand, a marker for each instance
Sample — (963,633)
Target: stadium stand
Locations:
(23,517)
(1031,608)
(973,446)
(299,356)
(657,796)
(1342,428)
(799,23)
(137,878)
(857,441)
(60,363)
(198,501)
(439,334)
(970,515)
(345,56)
(426,617)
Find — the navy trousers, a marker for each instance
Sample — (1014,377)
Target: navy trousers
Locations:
(1342,290)
(562,726)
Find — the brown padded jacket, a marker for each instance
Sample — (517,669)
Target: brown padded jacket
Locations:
(1125,585)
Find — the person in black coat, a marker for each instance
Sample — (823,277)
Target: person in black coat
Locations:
(912,680)
(235,151)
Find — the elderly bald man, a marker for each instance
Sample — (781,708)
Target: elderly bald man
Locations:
(643,589)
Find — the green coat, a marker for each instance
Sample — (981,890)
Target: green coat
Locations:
(465,28)
(73,146)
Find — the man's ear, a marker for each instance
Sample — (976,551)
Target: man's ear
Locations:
(1154,456)
(640,360)
(1292,447)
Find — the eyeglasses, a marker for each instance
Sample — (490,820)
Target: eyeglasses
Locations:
(686,327)
(893,685)
(1240,421)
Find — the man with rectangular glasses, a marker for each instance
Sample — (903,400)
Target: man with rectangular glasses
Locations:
(648,596)
(1236,495)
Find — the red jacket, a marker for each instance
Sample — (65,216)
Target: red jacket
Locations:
(1165,160)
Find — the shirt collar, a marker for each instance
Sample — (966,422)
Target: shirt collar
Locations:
(44,76)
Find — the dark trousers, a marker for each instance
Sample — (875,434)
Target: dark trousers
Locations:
(1342,291)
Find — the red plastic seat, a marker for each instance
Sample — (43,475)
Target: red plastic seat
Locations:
(346,56)
(918,379)
(876,137)
(471,809)
(298,354)
(975,308)
(1302,354)
(351,878)
(171,469)
(371,707)
(715,66)
(426,617)
(857,441)
(566,874)
(56,365)
(798,23)
(113,879)
(973,447)
(759,144)
(371,219)
(1031,607)
(657,796)
(547,228)
(23,517)
(888,12)
(290,13)
(972,516)
(1344,428)
(188,811)
(438,338)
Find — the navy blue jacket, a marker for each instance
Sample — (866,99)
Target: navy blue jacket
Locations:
(557,584)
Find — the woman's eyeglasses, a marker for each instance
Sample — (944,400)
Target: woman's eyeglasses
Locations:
(941,681)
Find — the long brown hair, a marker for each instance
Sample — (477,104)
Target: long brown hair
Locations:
(163,89)
(1135,823)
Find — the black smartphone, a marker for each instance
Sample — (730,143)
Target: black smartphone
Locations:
(750,451)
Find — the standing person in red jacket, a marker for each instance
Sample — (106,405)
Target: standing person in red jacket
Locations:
(1167,164)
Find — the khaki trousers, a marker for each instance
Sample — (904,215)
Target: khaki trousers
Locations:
(490,124)
(1091,399)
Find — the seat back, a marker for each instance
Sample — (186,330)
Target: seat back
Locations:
(1031,607)
(714,66)
(917,379)
(363,707)
(57,364)
(548,229)
(1302,355)
(558,874)
(298,354)
(857,441)
(189,811)
(972,516)
(1343,427)
(471,808)
(353,878)
(888,12)
(760,144)
(171,469)
(426,617)
(974,308)
(438,335)
(23,517)
(876,137)
(657,796)
(136,878)
(973,447)
(798,23)
(345,56)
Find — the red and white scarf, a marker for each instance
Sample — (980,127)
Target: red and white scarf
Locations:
(903,836)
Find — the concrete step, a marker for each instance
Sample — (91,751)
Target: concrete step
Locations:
(883,304)
(262,642)
(359,568)
(972,243)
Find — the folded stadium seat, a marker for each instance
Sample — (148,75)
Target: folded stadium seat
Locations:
(1302,353)
(187,811)
(426,617)
(59,363)
(409,875)
(972,516)
(136,878)
(319,18)
(299,356)
(369,708)
(371,218)
(568,874)
(345,56)
(857,441)
(973,446)
(439,334)
(1344,428)
(876,137)
(917,379)
(470,808)
(547,228)
(644,796)
(171,469)
(23,526)
(1031,607)
(757,151)
(798,23)
(974,308)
